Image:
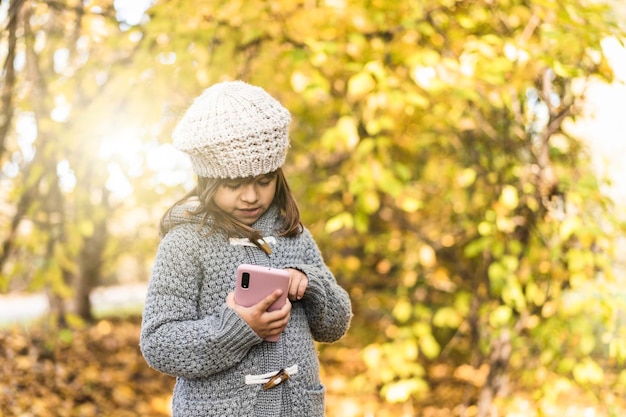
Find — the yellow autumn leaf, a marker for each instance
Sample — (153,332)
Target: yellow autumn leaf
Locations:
(509,197)
(360,85)
(402,310)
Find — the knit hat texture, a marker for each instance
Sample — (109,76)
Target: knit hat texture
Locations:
(234,130)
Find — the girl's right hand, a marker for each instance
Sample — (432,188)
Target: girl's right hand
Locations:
(264,323)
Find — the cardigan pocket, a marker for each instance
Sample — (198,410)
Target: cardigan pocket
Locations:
(307,402)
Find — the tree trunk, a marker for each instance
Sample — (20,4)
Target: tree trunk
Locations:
(497,379)
(8,85)
(90,272)
(6,117)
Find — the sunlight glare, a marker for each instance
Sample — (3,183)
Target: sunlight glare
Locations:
(67,178)
(10,169)
(61,60)
(26,128)
(131,12)
(61,111)
(603,124)
(124,152)
(125,146)
(117,183)
(170,166)
(424,76)
(4,10)
(616,55)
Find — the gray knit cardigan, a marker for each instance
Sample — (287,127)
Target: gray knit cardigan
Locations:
(189,332)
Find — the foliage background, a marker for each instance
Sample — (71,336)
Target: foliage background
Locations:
(433,153)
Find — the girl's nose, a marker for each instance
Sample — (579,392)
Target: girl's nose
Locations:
(249,193)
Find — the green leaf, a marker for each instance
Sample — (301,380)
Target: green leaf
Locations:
(447,317)
(500,316)
(588,372)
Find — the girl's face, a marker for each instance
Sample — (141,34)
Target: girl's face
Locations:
(246,199)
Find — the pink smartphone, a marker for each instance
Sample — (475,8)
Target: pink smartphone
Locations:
(254,283)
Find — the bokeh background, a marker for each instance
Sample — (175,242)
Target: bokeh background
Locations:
(461,164)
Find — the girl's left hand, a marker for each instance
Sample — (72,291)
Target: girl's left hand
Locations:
(298,282)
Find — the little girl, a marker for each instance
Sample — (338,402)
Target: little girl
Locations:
(241,211)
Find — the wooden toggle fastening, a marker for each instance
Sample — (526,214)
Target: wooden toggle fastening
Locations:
(276,380)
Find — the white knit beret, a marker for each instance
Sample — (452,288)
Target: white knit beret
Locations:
(234,130)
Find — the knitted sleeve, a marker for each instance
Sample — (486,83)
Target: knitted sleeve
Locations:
(326,303)
(174,339)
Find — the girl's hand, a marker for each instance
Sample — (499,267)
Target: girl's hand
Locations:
(264,323)
(298,282)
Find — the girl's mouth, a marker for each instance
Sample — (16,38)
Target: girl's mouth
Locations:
(250,212)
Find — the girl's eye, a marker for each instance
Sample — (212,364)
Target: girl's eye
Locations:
(265,181)
(231,186)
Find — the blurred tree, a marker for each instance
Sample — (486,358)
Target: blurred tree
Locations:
(70,147)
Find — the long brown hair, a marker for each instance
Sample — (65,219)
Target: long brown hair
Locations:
(208,211)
